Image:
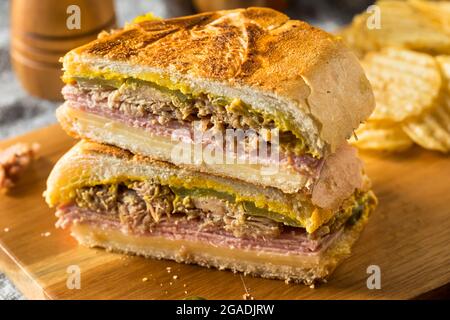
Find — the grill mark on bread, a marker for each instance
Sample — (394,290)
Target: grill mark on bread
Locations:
(180,36)
(251,61)
(126,43)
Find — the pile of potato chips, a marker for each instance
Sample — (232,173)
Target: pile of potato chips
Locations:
(407,61)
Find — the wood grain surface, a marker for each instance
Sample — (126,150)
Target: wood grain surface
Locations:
(407,237)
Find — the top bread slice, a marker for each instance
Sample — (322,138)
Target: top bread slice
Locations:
(258,55)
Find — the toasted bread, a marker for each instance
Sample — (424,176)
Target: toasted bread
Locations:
(273,64)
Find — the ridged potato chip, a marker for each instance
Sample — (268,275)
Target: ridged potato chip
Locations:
(432,130)
(444,64)
(438,12)
(355,37)
(405,83)
(407,24)
(381,136)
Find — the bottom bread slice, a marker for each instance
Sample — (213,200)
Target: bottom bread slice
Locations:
(302,268)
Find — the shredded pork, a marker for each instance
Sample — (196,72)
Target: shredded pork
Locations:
(162,106)
(141,205)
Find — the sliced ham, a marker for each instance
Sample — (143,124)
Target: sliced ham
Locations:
(292,241)
(341,174)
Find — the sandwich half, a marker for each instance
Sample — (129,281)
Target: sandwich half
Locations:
(123,202)
(148,86)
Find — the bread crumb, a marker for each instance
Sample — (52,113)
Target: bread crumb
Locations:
(46,234)
(247,296)
(175,277)
(6,229)
(169,269)
(312,286)
(185,292)
(185,285)
(145,279)
(102,34)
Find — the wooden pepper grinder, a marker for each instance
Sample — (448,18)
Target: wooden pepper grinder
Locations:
(42,31)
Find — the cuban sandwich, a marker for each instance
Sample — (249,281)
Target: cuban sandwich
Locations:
(136,94)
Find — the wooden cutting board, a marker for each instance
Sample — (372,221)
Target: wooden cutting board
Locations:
(407,237)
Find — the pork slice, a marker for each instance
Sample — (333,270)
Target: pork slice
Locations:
(341,175)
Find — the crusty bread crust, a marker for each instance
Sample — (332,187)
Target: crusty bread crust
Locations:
(302,269)
(257,54)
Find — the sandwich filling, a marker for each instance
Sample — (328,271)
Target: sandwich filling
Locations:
(143,207)
(159,106)
(289,242)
